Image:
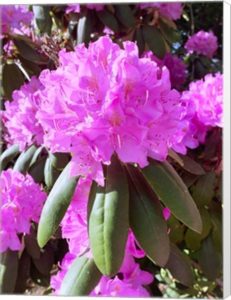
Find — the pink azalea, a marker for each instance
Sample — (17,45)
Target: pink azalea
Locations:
(202,42)
(19,194)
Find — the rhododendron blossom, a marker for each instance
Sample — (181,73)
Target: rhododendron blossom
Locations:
(19,116)
(205,107)
(15,18)
(202,42)
(105,99)
(21,203)
(171,11)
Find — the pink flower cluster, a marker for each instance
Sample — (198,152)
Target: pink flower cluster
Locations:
(103,100)
(21,203)
(177,68)
(204,100)
(130,280)
(19,118)
(76,8)
(172,10)
(15,18)
(202,42)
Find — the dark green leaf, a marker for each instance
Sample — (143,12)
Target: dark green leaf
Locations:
(31,244)
(209,259)
(146,219)
(108,19)
(56,205)
(109,220)
(37,170)
(154,40)
(193,240)
(36,156)
(45,261)
(28,50)
(8,271)
(81,278)
(180,267)
(42,18)
(12,79)
(23,273)
(59,160)
(50,173)
(124,14)
(192,166)
(8,155)
(172,191)
(170,34)
(23,162)
(203,190)
(140,40)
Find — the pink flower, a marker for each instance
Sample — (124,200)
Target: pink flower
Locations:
(15,18)
(204,102)
(76,8)
(21,203)
(19,117)
(202,42)
(172,10)
(166,213)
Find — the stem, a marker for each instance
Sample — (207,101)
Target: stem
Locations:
(192,19)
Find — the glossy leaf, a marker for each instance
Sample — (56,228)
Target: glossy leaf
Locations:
(8,271)
(108,19)
(172,191)
(8,155)
(124,14)
(180,267)
(192,166)
(109,220)
(56,205)
(170,34)
(12,79)
(146,219)
(154,40)
(81,278)
(84,29)
(50,173)
(23,162)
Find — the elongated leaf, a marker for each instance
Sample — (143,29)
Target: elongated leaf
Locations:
(8,271)
(36,156)
(171,190)
(8,155)
(203,190)
(140,40)
(28,50)
(23,162)
(50,173)
(209,259)
(42,18)
(12,79)
(192,166)
(31,244)
(146,220)
(170,34)
(124,15)
(154,40)
(84,29)
(23,273)
(81,278)
(109,220)
(37,170)
(45,261)
(180,267)
(108,19)
(59,160)
(56,205)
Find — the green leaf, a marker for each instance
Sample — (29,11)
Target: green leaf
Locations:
(8,271)
(140,40)
(108,19)
(84,29)
(56,205)
(28,50)
(23,162)
(217,232)
(170,34)
(36,156)
(180,267)
(193,240)
(203,189)
(172,191)
(146,219)
(8,155)
(23,273)
(109,220)
(209,259)
(42,18)
(176,233)
(12,79)
(154,40)
(192,166)
(59,160)
(81,278)
(45,262)
(31,244)
(124,14)
(37,170)
(50,173)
